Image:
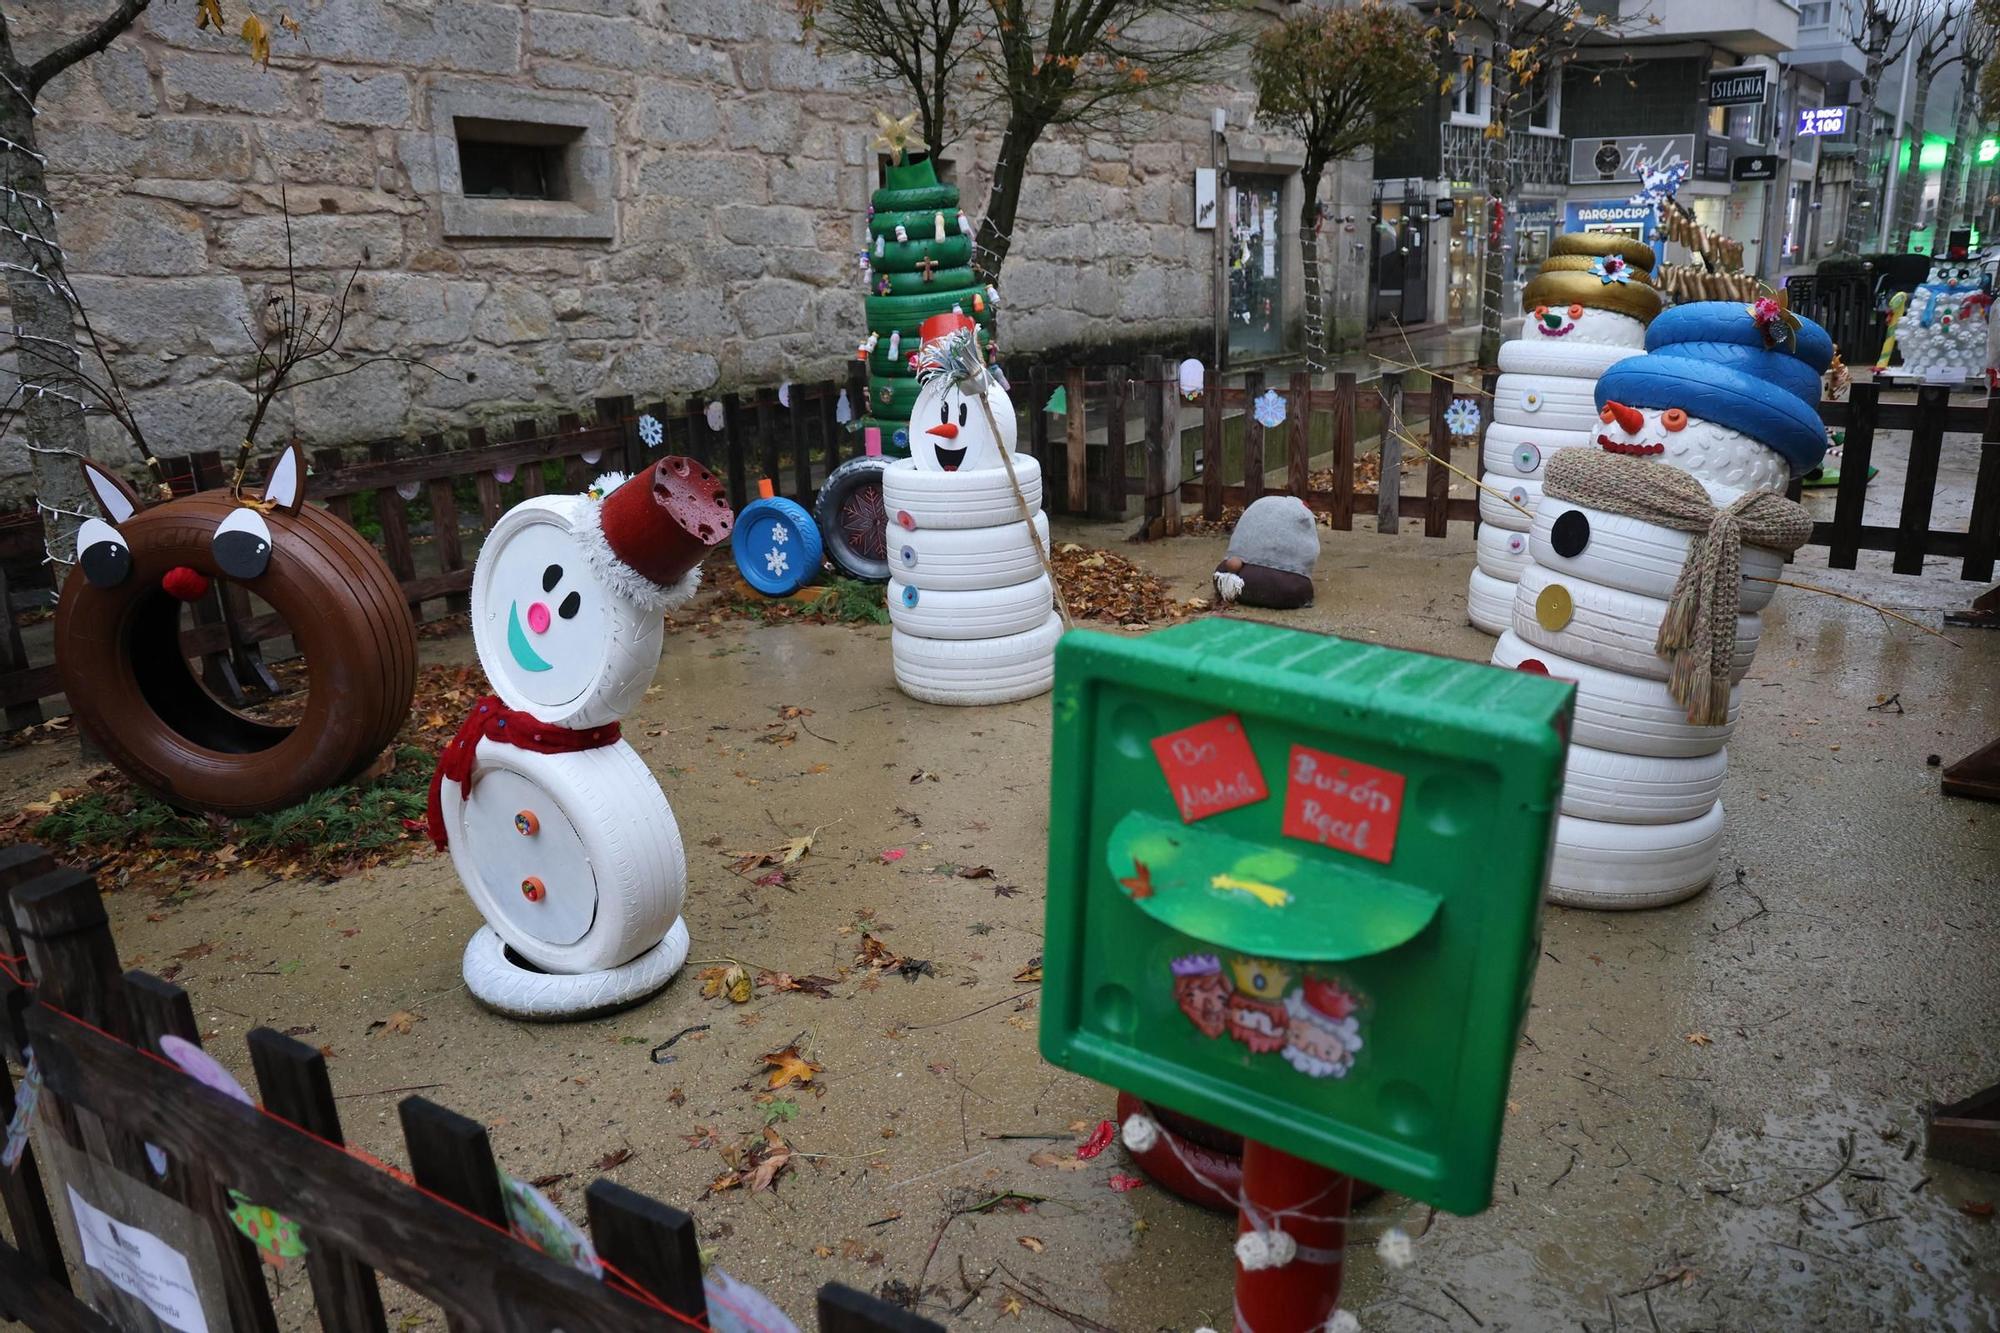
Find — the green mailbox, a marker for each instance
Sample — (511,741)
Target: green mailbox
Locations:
(1295,885)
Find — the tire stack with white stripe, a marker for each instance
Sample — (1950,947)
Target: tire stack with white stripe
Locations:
(972,608)
(1588,307)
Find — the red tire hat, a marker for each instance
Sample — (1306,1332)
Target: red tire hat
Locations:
(653,530)
(943,326)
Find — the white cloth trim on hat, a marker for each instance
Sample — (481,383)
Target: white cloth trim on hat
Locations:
(627,582)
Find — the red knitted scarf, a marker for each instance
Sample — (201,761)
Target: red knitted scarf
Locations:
(493,721)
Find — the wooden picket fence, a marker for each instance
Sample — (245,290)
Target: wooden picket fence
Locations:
(441,1230)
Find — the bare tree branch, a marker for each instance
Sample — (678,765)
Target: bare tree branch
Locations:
(107,30)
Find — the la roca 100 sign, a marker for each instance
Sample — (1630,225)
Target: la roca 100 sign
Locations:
(1823,120)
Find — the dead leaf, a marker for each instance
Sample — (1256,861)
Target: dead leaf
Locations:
(771,1157)
(1032,972)
(553,1178)
(399,1022)
(677,1098)
(1033,1244)
(975,872)
(732,982)
(207,12)
(1700,1039)
(792,712)
(788,1066)
(924,775)
(703,1137)
(615,1158)
(203,950)
(259,36)
(1976,1208)
(1011,1307)
(1061,1163)
(1006,891)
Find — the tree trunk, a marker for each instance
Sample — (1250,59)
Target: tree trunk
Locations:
(1955,160)
(1003,197)
(45,353)
(1316,312)
(1499,193)
(1907,193)
(1854,229)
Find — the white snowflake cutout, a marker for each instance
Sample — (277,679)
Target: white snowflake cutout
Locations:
(1270,410)
(780,534)
(775,563)
(651,431)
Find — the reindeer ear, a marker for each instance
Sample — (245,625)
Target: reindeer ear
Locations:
(286,486)
(118,501)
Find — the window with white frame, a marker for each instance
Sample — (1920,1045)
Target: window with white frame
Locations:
(1472,88)
(1545,106)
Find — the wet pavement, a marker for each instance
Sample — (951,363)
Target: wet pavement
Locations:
(1714,1120)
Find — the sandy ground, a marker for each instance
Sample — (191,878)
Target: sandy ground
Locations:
(1686,1080)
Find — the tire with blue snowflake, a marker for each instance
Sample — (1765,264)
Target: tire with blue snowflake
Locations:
(777,546)
(852,520)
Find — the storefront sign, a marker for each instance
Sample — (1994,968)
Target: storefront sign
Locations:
(1744,85)
(1823,120)
(1593,161)
(1754,167)
(1614,215)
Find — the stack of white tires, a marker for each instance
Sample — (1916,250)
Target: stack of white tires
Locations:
(969,601)
(1542,402)
(1641,820)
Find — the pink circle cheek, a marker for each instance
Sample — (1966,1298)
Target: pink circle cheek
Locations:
(538,618)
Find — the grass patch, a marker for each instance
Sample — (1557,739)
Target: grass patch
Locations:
(841,601)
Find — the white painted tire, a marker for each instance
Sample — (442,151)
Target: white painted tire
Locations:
(1620,867)
(504,986)
(1515,452)
(1618,712)
(1524,491)
(979,613)
(1489,602)
(1640,789)
(1502,553)
(1551,402)
(977,498)
(977,671)
(964,559)
(1546,356)
(1613,629)
(1637,556)
(607,851)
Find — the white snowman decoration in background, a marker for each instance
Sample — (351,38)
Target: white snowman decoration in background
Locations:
(970,600)
(556,827)
(1942,333)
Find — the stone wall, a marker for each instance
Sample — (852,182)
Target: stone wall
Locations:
(728,168)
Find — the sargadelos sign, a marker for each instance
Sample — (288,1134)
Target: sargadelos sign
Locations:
(1628,158)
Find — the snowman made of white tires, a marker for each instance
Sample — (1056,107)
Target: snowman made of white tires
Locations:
(557,829)
(970,601)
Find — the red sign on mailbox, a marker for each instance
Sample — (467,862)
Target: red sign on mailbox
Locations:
(1338,802)
(1210,768)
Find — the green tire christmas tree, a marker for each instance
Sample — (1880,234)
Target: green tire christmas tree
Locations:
(919,265)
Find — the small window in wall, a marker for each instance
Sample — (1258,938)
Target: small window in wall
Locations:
(518,165)
(1472,88)
(1545,109)
(500,159)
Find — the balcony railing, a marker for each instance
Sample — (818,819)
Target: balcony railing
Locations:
(1540,159)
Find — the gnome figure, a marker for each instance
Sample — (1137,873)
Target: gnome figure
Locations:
(1588,307)
(558,831)
(1271,555)
(1650,556)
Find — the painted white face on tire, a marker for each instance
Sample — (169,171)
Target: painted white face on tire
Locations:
(948,432)
(1722,459)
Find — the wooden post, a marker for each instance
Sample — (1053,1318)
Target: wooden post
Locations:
(1913,526)
(767,438)
(1111,489)
(1298,440)
(1344,393)
(829,426)
(293,1083)
(1982,540)
(617,413)
(1389,490)
(1253,438)
(218,669)
(534,480)
(392,513)
(13,659)
(444,527)
(1167,393)
(1437,477)
(1212,481)
(649,1242)
(857,402)
(326,465)
(576,473)
(845,1310)
(736,427)
(802,462)
(161,1009)
(1152,522)
(1844,545)
(244,653)
(451,1156)
(1038,417)
(22,1189)
(1077,493)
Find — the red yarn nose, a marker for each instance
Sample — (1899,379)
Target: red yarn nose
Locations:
(186,584)
(1630,419)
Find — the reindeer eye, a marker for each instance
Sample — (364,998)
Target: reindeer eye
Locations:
(242,545)
(105,557)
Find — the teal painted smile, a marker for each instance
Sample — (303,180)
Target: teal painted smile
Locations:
(517,643)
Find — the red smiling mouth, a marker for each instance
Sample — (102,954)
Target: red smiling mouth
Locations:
(1550,332)
(1610,445)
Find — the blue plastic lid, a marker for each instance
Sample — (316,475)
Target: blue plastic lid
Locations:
(777,546)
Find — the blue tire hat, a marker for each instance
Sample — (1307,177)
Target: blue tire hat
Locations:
(1708,358)
(777,547)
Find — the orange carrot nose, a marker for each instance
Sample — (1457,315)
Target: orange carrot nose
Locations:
(1630,419)
(945,430)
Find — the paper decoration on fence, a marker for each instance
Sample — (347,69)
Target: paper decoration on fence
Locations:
(1058,404)
(1270,409)
(409,490)
(785,394)
(276,1236)
(26,1096)
(843,410)
(1462,417)
(651,432)
(1193,375)
(713,415)
(503,475)
(539,1222)
(591,456)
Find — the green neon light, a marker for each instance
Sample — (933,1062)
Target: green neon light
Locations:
(1989,149)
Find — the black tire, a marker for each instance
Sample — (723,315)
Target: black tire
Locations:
(932,197)
(851,520)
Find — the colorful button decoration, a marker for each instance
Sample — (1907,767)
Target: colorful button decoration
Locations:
(1527,458)
(1554,608)
(1531,400)
(533,889)
(909,555)
(526,824)
(1570,534)
(909,595)
(1519,495)
(903,519)
(1516,543)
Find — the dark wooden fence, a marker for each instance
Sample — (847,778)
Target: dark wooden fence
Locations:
(440,1231)
(1844,305)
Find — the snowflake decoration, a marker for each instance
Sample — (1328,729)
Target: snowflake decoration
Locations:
(1462,417)
(1269,410)
(651,431)
(780,534)
(1610,269)
(775,563)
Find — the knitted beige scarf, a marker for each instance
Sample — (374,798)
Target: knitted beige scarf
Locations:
(1699,631)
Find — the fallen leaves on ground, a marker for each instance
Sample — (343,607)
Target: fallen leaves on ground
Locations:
(731,981)
(1700,1039)
(878,958)
(1012,1307)
(753,1170)
(399,1022)
(788,1066)
(615,1158)
(1059,1161)
(785,981)
(788,853)
(1105,586)
(1032,1244)
(1032,973)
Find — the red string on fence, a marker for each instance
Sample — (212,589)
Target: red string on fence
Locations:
(625,1284)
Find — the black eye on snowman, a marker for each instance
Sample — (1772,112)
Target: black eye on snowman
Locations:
(551,577)
(570,606)
(961,414)
(242,545)
(105,557)
(944,413)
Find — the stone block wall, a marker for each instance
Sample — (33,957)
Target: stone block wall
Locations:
(725,165)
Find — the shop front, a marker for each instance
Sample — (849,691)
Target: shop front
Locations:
(1256,265)
(1466,233)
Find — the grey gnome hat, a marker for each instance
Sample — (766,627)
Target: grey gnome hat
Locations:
(1277,532)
